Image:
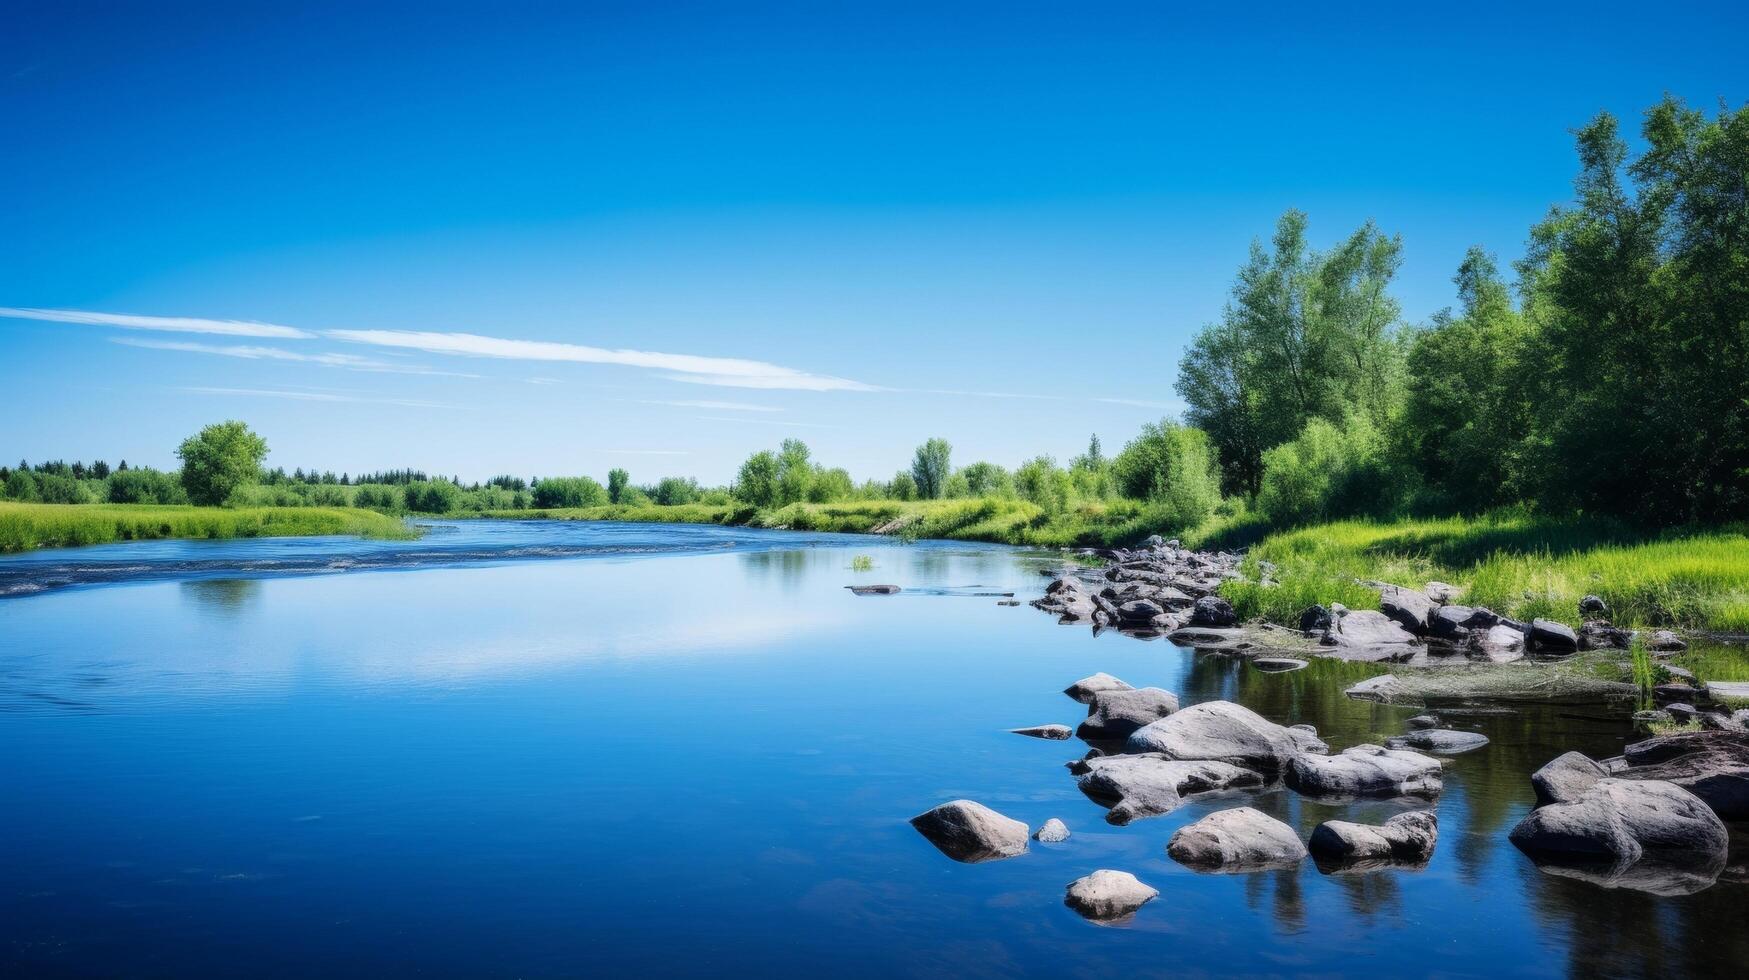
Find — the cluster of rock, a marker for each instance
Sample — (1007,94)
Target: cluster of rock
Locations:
(1159,587)
(1651,820)
(1149,754)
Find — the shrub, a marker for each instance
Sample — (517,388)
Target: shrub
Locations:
(569,491)
(435,496)
(144,486)
(673,491)
(1329,472)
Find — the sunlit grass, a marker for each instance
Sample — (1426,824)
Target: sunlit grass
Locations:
(27,526)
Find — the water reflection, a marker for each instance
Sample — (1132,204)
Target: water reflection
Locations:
(222,595)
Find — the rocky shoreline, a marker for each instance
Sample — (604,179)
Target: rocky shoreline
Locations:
(1654,819)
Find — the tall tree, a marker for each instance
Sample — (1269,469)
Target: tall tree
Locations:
(930,468)
(220,459)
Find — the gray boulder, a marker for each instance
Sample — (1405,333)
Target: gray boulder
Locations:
(1105,895)
(1665,641)
(1383,688)
(1546,634)
(1221,731)
(1052,831)
(1137,786)
(1056,733)
(1598,634)
(1316,619)
(1366,771)
(1114,715)
(1714,766)
(1210,638)
(1501,644)
(1441,593)
(1084,689)
(1444,741)
(1409,608)
(1566,778)
(1405,838)
(971,832)
(1593,607)
(1450,622)
(1424,721)
(1139,611)
(1367,635)
(1618,821)
(1241,839)
(1212,610)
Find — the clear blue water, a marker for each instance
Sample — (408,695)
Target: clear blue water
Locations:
(539,749)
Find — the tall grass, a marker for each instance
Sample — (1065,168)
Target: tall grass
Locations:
(1524,566)
(27,526)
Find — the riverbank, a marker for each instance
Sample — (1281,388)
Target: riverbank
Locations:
(24,527)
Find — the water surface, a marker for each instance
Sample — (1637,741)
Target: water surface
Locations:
(579,749)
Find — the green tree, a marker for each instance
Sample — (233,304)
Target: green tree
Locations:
(830,485)
(616,484)
(672,491)
(987,480)
(1041,481)
(794,472)
(756,483)
(930,468)
(903,487)
(21,485)
(219,460)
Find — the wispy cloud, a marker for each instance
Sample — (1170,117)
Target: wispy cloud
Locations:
(734,371)
(311,396)
(747,421)
(1142,403)
(715,406)
(351,362)
(174,324)
(648,452)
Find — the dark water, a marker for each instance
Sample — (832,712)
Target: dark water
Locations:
(686,751)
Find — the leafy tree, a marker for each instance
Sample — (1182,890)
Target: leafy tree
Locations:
(830,485)
(1092,473)
(1330,472)
(673,491)
(219,460)
(21,485)
(987,480)
(930,468)
(903,487)
(569,491)
(1041,481)
(144,486)
(617,479)
(756,483)
(1174,467)
(443,496)
(794,472)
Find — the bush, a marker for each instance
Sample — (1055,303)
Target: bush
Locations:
(377,497)
(144,486)
(436,496)
(21,486)
(673,491)
(569,491)
(830,486)
(1329,472)
(1041,482)
(756,484)
(1172,466)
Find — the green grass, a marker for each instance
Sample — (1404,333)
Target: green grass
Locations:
(1515,563)
(27,526)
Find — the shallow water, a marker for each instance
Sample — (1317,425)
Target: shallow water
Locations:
(674,750)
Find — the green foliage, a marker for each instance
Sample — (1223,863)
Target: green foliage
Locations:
(673,491)
(987,480)
(862,563)
(54,488)
(617,481)
(21,485)
(795,472)
(903,487)
(442,496)
(1172,466)
(930,468)
(1042,483)
(220,459)
(145,486)
(27,526)
(831,485)
(756,483)
(1329,472)
(569,491)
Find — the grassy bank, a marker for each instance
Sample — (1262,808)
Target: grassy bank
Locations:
(27,526)
(1514,563)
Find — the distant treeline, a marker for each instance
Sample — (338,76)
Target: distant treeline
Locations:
(1615,384)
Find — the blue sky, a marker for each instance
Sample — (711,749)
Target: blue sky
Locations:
(858,225)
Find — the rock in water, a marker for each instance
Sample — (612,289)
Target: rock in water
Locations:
(1406,837)
(1665,641)
(1366,770)
(873,589)
(1442,740)
(1241,839)
(1383,688)
(1565,779)
(1424,721)
(1501,644)
(1053,831)
(1105,895)
(1278,665)
(1546,634)
(1598,634)
(1054,732)
(971,832)
(1114,715)
(1712,765)
(1368,635)
(1084,689)
(1410,609)
(1137,786)
(1212,610)
(1221,731)
(1618,821)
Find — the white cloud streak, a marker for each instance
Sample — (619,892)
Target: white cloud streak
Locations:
(715,406)
(311,396)
(351,362)
(648,452)
(747,421)
(175,324)
(734,371)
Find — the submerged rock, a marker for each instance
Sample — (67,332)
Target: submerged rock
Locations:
(971,832)
(1384,687)
(1221,731)
(1366,770)
(1138,786)
(1056,733)
(1566,778)
(1052,831)
(1105,895)
(1407,838)
(1113,715)
(1241,839)
(1084,689)
(1445,741)
(874,589)
(1209,638)
(1278,665)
